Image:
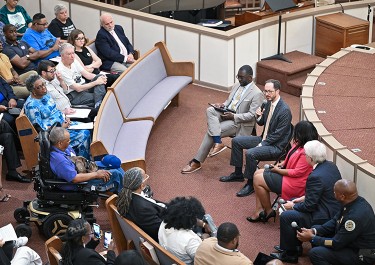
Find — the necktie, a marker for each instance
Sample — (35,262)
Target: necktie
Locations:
(267,123)
(123,49)
(236,98)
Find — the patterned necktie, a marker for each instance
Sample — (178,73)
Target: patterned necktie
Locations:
(267,123)
(236,99)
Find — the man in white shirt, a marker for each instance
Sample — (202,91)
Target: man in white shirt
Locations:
(79,92)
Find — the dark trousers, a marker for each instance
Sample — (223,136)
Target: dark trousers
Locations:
(254,153)
(326,256)
(10,119)
(7,139)
(91,97)
(6,253)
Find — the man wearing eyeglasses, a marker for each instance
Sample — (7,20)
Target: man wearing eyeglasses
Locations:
(236,116)
(39,38)
(276,119)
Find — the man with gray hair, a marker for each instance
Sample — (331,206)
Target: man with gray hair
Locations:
(79,91)
(61,25)
(316,207)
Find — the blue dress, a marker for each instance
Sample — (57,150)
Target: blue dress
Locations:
(44,112)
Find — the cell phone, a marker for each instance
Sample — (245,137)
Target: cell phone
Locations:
(107,238)
(96,228)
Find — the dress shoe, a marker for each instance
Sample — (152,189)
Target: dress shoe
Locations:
(284,257)
(299,250)
(218,148)
(265,217)
(232,178)
(245,191)
(191,167)
(18,178)
(255,220)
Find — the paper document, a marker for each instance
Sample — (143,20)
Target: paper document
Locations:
(82,126)
(79,113)
(212,23)
(7,233)
(56,59)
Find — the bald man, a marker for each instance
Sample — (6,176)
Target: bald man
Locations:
(114,48)
(348,235)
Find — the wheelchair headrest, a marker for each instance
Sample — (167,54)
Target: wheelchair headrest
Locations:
(44,154)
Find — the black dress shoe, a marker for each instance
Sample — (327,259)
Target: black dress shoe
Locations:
(233,177)
(299,250)
(284,257)
(245,191)
(18,178)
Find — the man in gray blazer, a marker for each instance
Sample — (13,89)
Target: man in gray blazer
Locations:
(276,118)
(236,116)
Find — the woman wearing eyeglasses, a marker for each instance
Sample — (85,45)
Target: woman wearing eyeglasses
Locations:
(12,13)
(62,25)
(79,246)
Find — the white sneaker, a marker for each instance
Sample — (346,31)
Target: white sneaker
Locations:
(21,241)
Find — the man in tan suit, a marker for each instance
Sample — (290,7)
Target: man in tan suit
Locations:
(236,116)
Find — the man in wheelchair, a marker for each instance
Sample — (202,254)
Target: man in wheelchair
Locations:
(63,167)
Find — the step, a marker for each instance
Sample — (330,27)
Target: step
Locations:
(295,84)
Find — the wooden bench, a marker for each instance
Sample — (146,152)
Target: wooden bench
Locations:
(139,95)
(128,235)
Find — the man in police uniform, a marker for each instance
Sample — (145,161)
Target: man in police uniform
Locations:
(343,239)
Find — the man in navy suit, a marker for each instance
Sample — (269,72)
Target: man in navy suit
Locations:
(316,207)
(276,118)
(114,48)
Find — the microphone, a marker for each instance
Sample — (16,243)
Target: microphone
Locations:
(263,105)
(268,166)
(294,225)
(282,201)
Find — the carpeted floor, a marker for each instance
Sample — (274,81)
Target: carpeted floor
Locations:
(174,140)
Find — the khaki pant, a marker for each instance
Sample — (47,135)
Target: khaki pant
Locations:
(21,91)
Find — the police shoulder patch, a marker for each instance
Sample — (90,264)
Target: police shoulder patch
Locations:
(349,225)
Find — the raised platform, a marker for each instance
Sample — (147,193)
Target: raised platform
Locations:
(291,75)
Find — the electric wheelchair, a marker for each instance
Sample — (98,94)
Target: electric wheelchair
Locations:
(54,208)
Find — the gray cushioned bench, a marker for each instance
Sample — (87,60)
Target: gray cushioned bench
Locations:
(140,94)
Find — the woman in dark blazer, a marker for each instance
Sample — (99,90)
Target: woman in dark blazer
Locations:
(79,247)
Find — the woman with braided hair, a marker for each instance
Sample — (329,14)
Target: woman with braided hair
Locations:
(135,206)
(79,246)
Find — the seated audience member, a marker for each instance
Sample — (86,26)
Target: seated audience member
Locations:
(176,231)
(55,85)
(8,100)
(42,112)
(244,100)
(223,249)
(276,118)
(287,178)
(88,59)
(4,197)
(130,257)
(79,92)
(12,13)
(61,25)
(349,234)
(135,206)
(21,55)
(23,256)
(39,38)
(113,46)
(63,167)
(316,207)
(8,140)
(2,37)
(79,246)
(16,81)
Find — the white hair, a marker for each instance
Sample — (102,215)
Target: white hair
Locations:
(316,150)
(65,46)
(59,7)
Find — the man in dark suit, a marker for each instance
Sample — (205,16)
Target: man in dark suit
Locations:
(114,48)
(276,118)
(237,119)
(316,207)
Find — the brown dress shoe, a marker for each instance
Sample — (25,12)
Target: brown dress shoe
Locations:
(191,167)
(218,148)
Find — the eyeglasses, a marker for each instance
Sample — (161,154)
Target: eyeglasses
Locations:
(52,71)
(81,38)
(42,24)
(43,85)
(269,91)
(146,178)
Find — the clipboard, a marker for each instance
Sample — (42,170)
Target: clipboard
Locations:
(222,110)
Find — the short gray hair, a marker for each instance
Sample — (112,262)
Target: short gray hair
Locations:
(30,81)
(56,135)
(59,7)
(316,150)
(65,46)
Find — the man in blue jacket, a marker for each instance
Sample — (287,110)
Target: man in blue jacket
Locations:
(114,48)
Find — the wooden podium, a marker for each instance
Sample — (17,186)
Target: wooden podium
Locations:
(336,31)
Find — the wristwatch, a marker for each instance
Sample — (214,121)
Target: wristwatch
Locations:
(27,57)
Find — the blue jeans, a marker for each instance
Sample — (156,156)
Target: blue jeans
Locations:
(117,176)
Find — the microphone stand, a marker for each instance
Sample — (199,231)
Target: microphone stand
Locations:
(279,55)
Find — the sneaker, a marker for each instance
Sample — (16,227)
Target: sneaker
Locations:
(21,241)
